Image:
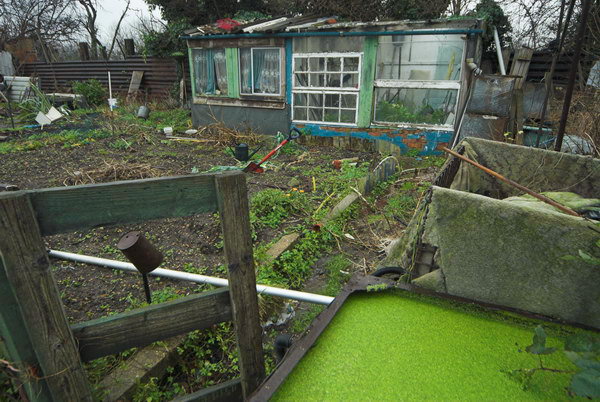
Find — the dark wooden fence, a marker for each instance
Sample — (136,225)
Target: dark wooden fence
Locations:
(542,59)
(160,75)
(33,325)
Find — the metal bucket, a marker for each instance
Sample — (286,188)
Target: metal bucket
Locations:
(143,112)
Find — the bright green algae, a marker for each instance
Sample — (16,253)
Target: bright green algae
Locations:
(398,346)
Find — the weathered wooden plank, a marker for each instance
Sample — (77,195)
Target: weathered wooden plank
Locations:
(148,362)
(67,209)
(39,310)
(233,75)
(365,97)
(145,325)
(235,222)
(229,391)
(283,244)
(136,80)
(18,346)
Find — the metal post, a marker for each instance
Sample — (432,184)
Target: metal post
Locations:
(572,74)
(499,52)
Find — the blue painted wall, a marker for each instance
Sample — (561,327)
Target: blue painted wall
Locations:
(426,141)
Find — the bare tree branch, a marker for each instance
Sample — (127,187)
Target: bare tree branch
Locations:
(112,45)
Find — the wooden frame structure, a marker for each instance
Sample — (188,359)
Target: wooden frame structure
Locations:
(33,325)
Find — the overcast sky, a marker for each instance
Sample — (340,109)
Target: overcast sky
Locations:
(111,11)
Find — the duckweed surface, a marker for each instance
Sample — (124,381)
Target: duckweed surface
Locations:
(400,346)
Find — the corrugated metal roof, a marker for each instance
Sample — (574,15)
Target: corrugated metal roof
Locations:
(271,25)
(304,23)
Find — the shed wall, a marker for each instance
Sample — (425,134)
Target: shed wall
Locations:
(263,121)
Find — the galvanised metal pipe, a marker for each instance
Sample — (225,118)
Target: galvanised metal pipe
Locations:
(186,276)
(449,31)
(499,52)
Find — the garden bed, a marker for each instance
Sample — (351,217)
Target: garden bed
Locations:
(296,191)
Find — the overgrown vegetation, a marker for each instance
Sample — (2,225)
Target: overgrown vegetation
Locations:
(92,91)
(298,204)
(399,112)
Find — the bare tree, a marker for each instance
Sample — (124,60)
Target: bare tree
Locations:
(90,14)
(534,22)
(116,33)
(50,21)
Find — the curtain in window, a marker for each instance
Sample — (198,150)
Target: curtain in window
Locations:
(266,71)
(210,71)
(220,70)
(246,75)
(200,71)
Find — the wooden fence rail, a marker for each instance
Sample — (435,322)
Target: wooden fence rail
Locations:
(142,326)
(33,324)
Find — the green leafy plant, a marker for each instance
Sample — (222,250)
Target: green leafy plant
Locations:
(398,112)
(92,90)
(271,206)
(584,352)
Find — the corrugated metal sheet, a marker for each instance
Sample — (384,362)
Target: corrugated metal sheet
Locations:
(541,61)
(17,87)
(160,75)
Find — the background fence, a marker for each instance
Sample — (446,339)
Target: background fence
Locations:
(160,75)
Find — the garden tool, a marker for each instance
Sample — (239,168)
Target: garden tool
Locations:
(256,168)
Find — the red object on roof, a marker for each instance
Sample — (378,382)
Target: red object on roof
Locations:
(227,24)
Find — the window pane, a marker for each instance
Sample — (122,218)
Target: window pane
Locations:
(317,80)
(347,116)
(426,106)
(245,73)
(315,100)
(220,71)
(332,115)
(315,114)
(420,57)
(301,79)
(210,72)
(266,71)
(334,64)
(332,100)
(350,80)
(348,101)
(334,80)
(300,113)
(317,64)
(351,63)
(300,64)
(300,100)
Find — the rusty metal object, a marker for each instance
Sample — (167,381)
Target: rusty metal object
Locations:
(140,252)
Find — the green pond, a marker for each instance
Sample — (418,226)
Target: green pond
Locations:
(401,346)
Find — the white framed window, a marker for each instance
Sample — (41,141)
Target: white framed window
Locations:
(210,71)
(260,71)
(418,80)
(325,87)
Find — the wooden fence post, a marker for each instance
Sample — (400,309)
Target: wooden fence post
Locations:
(35,319)
(232,196)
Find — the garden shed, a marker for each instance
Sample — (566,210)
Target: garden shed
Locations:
(401,81)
